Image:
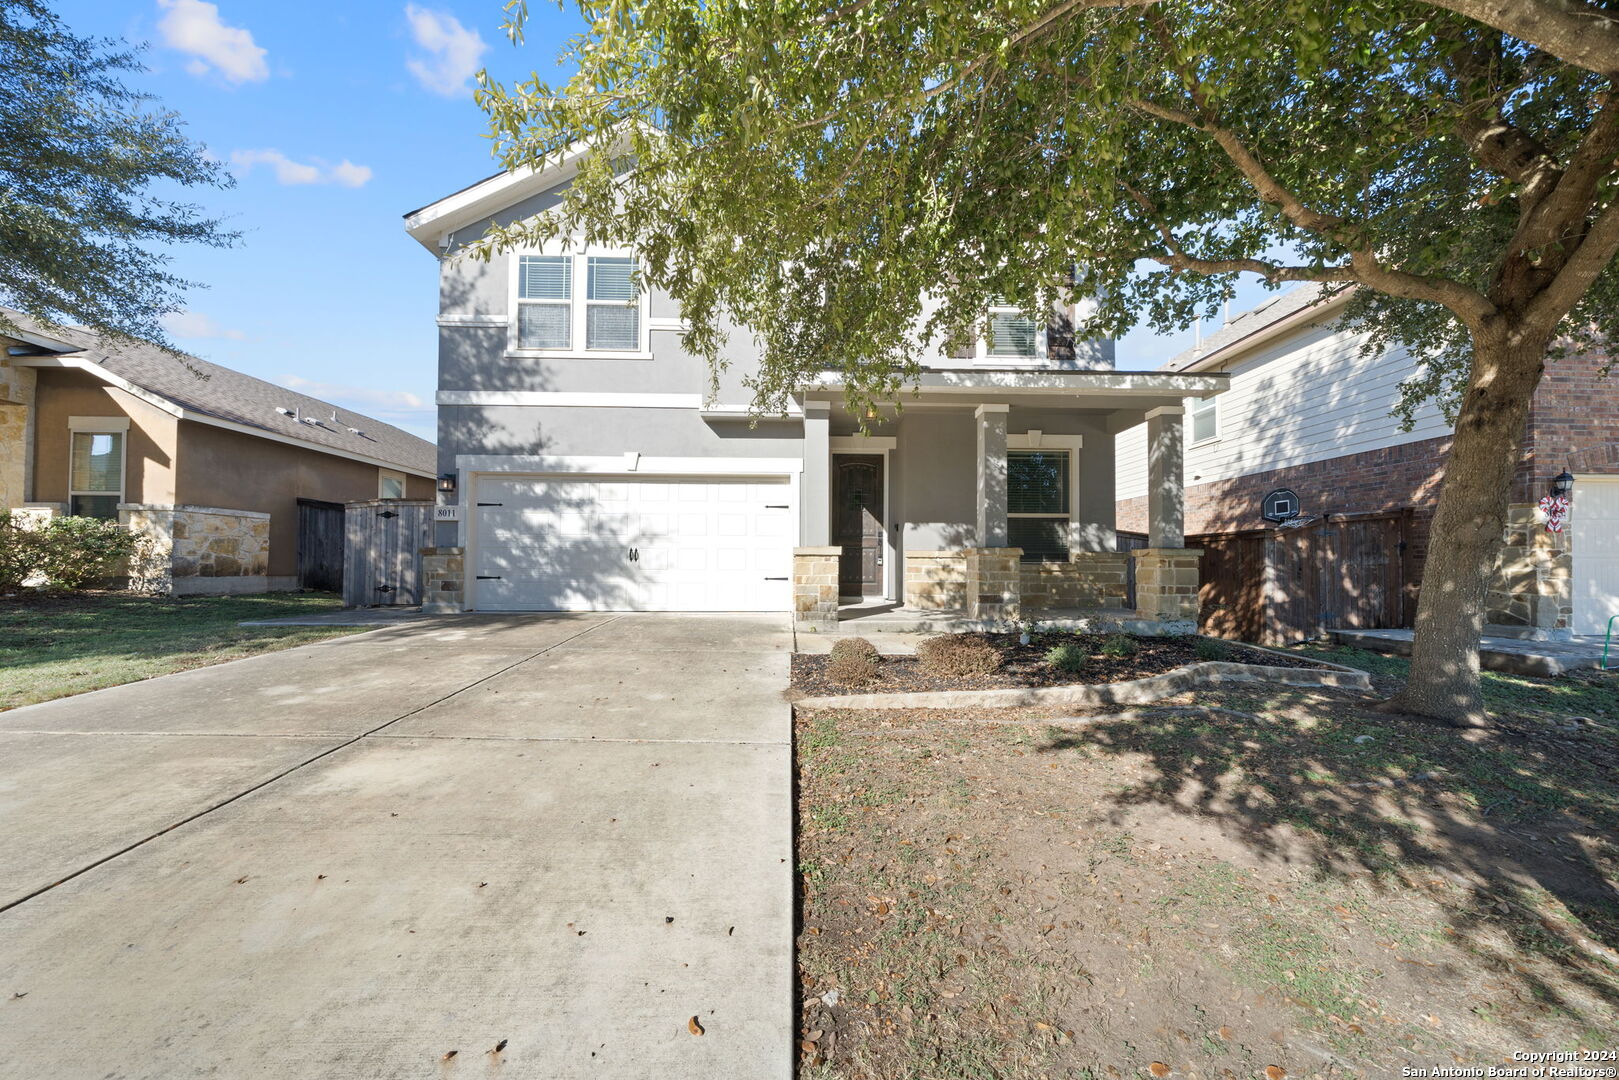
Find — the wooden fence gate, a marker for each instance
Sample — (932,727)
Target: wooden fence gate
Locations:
(382,562)
(1278,586)
(320,545)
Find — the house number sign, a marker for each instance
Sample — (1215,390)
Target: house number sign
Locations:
(446,513)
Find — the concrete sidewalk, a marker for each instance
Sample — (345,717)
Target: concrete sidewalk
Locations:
(561,836)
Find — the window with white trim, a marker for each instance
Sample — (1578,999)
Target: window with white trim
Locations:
(390,485)
(553,316)
(1037,503)
(1011,334)
(96,473)
(545,302)
(1205,420)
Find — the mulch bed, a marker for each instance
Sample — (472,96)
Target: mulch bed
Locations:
(1024,666)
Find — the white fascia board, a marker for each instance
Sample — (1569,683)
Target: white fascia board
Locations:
(181,413)
(1100,383)
(564,399)
(615,464)
(432,222)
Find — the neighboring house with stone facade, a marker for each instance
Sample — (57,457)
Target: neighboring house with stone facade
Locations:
(208,463)
(1307,413)
(594,470)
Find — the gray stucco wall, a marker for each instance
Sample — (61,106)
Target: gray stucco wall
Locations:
(934,484)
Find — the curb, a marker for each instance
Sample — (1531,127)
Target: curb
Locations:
(1134,692)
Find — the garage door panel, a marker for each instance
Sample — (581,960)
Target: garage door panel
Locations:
(633,544)
(1594,534)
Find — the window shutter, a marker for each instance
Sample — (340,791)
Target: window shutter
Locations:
(1060,337)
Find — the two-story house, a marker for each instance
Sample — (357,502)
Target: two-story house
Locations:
(588,466)
(1309,415)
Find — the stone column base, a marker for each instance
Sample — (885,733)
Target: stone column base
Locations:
(443,580)
(815,587)
(1533,585)
(994,583)
(1166,584)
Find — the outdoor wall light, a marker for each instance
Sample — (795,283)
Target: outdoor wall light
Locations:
(1563,484)
(446,483)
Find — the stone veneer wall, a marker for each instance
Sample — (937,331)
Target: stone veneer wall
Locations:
(1534,579)
(198,549)
(1090,579)
(994,583)
(17,385)
(936,580)
(443,580)
(1167,584)
(815,587)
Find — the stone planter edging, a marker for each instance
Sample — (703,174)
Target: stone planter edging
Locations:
(1133,692)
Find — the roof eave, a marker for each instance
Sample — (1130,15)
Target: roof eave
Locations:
(1297,320)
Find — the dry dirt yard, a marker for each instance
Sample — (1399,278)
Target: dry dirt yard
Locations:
(1220,886)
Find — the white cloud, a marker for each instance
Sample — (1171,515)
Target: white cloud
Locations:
(370,398)
(456,51)
(194,325)
(193,26)
(288,171)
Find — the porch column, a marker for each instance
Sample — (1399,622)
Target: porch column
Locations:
(1166,571)
(815,492)
(1166,479)
(992,532)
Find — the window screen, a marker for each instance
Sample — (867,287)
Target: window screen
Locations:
(612,314)
(544,293)
(96,473)
(1205,419)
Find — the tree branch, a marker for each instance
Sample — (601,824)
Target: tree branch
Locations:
(1595,252)
(1571,30)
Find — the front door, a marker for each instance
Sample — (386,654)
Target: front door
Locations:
(857,493)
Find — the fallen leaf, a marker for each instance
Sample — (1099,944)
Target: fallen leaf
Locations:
(448,1054)
(694,1027)
(814,1036)
(1274,1072)
(1158,1068)
(501,1045)
(1225,1033)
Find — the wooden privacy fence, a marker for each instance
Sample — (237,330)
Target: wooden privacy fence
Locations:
(382,544)
(1277,586)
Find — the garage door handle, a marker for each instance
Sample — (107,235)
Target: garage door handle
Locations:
(490,577)
(491,504)
(775,579)
(776,506)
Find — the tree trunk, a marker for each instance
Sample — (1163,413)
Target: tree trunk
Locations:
(1468,526)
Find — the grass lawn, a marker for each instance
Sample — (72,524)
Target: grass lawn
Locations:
(52,647)
(1211,885)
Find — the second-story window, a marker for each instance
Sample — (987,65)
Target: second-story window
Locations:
(612,308)
(554,313)
(545,302)
(1205,419)
(1012,334)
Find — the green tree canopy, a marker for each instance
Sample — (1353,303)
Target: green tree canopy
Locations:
(82,159)
(815,168)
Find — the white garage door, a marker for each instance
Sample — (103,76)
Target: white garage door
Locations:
(1593,523)
(629,544)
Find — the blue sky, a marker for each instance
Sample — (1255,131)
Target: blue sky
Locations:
(338,118)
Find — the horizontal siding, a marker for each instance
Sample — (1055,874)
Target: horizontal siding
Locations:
(1309,397)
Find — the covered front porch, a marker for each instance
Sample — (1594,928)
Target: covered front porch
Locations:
(988,496)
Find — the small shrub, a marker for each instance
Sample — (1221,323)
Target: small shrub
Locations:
(853,662)
(75,552)
(954,656)
(19,552)
(1212,649)
(1120,646)
(1070,659)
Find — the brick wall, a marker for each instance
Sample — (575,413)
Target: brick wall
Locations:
(1573,425)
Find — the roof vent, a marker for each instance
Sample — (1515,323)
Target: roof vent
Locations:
(286,412)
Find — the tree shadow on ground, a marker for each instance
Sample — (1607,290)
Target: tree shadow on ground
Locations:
(1514,831)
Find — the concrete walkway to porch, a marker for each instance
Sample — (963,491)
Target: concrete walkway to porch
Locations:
(1516,656)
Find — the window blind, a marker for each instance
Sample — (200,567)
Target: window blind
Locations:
(611,326)
(545,277)
(611,278)
(544,326)
(1011,334)
(1037,482)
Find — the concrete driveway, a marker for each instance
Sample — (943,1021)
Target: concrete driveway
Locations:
(530,846)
